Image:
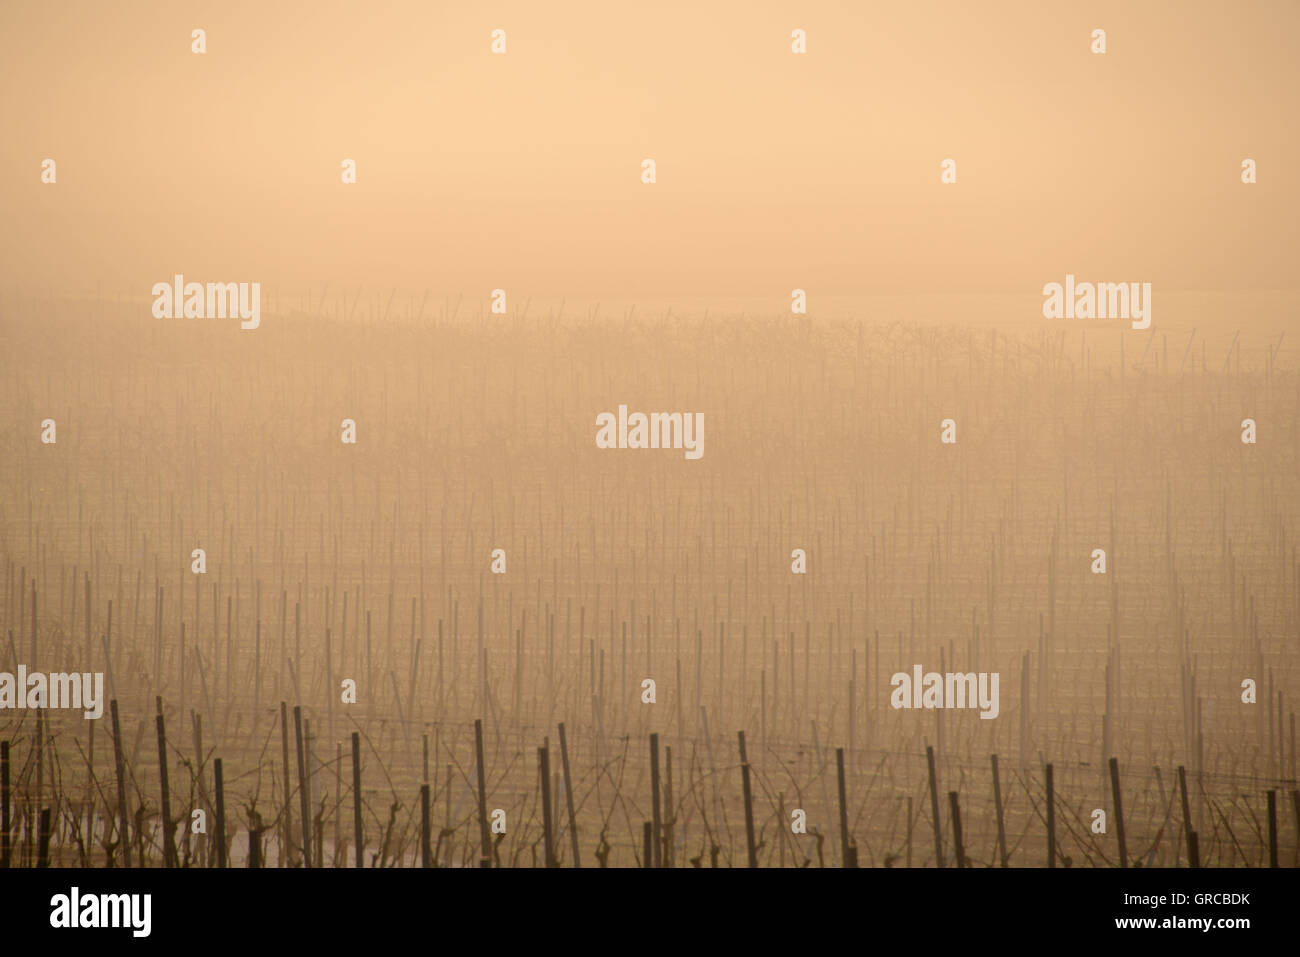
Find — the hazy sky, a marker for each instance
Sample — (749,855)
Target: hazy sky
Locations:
(774,170)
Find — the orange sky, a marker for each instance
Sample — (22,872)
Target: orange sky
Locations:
(523,171)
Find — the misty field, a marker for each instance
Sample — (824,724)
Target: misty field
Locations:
(371,563)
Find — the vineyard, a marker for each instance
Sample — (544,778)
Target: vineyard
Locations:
(644,679)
